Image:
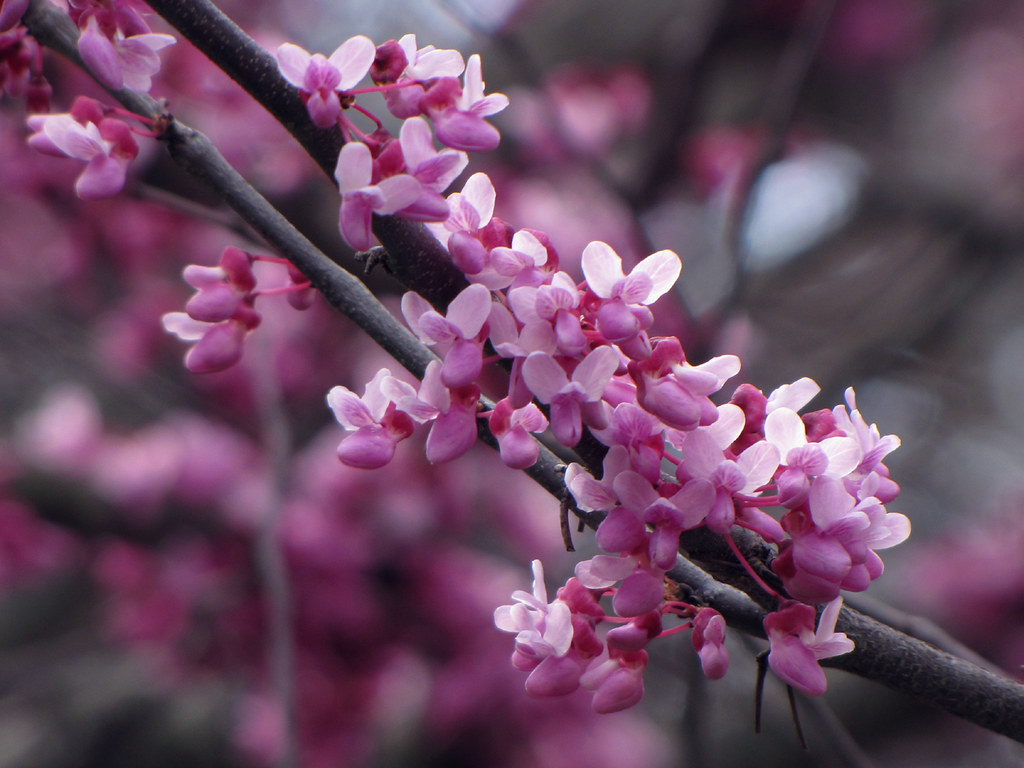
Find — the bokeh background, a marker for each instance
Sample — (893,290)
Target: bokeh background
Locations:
(845,184)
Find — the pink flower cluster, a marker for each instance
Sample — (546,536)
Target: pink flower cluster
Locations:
(557,643)
(376,172)
(675,460)
(220,315)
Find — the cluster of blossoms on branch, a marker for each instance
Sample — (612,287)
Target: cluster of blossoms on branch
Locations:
(674,460)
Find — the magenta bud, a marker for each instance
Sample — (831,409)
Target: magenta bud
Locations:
(389,63)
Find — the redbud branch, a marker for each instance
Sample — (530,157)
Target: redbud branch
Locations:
(276,438)
(415,257)
(882,653)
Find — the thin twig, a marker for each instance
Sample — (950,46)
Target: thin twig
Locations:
(273,568)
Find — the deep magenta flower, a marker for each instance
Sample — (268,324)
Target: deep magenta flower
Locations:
(512,428)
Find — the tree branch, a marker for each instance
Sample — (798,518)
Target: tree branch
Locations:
(415,257)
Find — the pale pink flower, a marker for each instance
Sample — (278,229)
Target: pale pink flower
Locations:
(429,62)
(544,634)
(568,397)
(105,145)
(119,60)
(458,113)
(459,331)
(321,78)
(433,169)
(834,456)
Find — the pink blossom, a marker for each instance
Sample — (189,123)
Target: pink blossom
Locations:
(377,426)
(642,587)
(106,146)
(834,456)
(452,412)
(459,331)
(220,290)
(796,648)
(567,397)
(616,679)
(322,78)
(458,113)
(555,304)
(429,62)
(544,633)
(433,169)
(511,427)
(832,547)
(218,346)
(120,60)
(703,461)
(677,392)
(360,198)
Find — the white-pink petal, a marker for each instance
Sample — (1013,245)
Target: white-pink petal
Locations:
(784,429)
(353,59)
(602,268)
(351,412)
(663,269)
(354,169)
(293,61)
(793,396)
(469,310)
(595,371)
